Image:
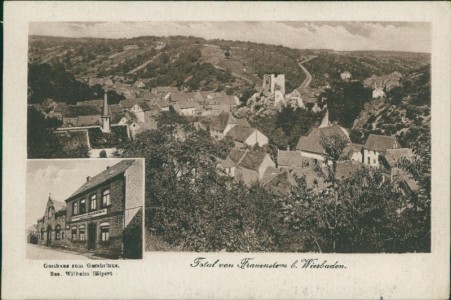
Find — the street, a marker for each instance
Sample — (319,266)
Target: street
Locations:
(44,252)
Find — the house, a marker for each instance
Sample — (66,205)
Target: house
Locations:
(245,135)
(140,127)
(52,226)
(294,99)
(223,123)
(378,93)
(248,166)
(187,108)
(375,146)
(164,105)
(345,75)
(105,214)
(288,159)
(182,97)
(134,107)
(165,91)
(353,151)
(389,161)
(139,84)
(310,145)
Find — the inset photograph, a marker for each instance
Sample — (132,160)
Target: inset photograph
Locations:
(85,209)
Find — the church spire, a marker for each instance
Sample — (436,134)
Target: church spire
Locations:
(106,118)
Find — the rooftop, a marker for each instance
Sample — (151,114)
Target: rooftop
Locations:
(381,143)
(109,173)
(312,142)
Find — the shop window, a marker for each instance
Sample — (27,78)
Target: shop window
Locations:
(93,202)
(82,206)
(58,232)
(81,232)
(75,208)
(74,233)
(106,198)
(105,233)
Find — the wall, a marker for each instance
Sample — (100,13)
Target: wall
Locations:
(257,138)
(373,156)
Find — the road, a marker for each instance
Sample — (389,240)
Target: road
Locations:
(309,77)
(43,252)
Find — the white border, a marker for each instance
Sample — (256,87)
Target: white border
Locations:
(168,275)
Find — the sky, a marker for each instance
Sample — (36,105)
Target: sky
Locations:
(340,36)
(60,178)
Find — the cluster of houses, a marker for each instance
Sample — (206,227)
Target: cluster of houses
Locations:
(249,165)
(101,126)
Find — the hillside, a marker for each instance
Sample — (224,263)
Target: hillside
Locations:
(404,113)
(328,65)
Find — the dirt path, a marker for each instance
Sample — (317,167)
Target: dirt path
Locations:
(309,78)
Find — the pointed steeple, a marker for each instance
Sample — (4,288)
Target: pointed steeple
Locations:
(325,121)
(106,117)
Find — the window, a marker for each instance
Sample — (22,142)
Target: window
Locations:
(81,232)
(42,233)
(369,160)
(105,232)
(106,198)
(74,233)
(82,206)
(58,232)
(374,161)
(62,235)
(50,212)
(75,208)
(93,202)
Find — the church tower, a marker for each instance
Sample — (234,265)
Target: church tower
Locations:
(325,122)
(106,117)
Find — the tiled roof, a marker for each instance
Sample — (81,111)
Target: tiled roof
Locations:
(240,133)
(167,89)
(288,158)
(115,109)
(187,104)
(109,173)
(128,103)
(393,155)
(182,96)
(88,120)
(222,120)
(312,142)
(381,143)
(350,149)
(247,159)
(227,163)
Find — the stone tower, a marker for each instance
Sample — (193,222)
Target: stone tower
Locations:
(106,117)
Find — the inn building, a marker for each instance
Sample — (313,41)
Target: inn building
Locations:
(103,216)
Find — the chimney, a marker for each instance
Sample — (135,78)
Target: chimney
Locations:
(88,178)
(107,167)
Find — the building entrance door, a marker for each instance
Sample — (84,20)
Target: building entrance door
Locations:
(49,235)
(91,236)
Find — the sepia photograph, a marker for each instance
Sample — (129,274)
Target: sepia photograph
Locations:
(317,140)
(80,210)
(235,150)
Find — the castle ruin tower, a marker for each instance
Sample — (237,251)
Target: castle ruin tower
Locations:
(106,117)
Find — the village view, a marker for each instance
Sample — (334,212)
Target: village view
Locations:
(248,147)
